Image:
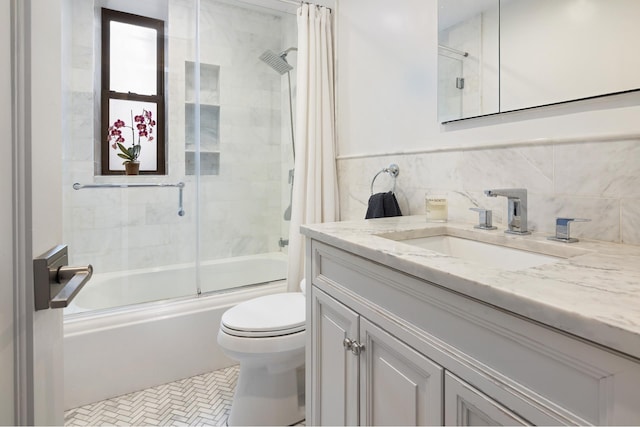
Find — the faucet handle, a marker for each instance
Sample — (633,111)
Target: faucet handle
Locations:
(562,229)
(484,219)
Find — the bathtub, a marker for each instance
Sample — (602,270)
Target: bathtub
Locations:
(122,288)
(114,351)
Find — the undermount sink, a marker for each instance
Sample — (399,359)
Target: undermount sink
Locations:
(487,254)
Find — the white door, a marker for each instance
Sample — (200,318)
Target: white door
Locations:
(6,225)
(335,374)
(35,192)
(398,385)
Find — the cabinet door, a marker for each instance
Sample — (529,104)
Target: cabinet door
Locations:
(398,385)
(465,405)
(335,370)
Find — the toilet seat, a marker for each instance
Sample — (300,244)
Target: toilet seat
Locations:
(268,316)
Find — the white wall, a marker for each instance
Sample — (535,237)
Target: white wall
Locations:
(580,159)
(6,224)
(387,86)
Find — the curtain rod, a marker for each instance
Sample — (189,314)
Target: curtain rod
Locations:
(299,3)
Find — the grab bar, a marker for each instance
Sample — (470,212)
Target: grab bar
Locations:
(450,49)
(78,186)
(180,185)
(393,170)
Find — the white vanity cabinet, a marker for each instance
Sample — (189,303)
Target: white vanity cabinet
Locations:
(430,356)
(363,375)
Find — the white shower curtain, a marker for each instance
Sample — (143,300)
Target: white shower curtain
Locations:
(315,186)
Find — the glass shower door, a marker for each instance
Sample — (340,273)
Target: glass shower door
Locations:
(129,227)
(214,219)
(245,152)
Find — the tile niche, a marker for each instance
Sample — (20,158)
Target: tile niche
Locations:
(209,99)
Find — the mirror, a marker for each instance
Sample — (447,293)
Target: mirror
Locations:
(504,55)
(468,54)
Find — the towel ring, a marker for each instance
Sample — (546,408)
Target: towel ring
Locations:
(392,170)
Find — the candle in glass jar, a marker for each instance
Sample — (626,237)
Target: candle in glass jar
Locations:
(436,207)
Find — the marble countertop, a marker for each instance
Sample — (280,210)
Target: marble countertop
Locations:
(592,292)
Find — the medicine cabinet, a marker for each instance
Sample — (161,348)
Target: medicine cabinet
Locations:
(497,56)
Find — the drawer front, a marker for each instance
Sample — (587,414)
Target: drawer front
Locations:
(569,380)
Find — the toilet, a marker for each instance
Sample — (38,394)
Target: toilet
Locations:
(267,336)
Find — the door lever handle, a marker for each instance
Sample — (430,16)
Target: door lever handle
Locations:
(55,284)
(75,278)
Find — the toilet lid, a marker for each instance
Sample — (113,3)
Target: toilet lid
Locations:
(267,316)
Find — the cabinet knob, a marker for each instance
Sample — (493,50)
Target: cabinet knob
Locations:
(353,345)
(357,348)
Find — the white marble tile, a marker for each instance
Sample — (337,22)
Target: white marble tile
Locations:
(600,171)
(607,169)
(82,80)
(77,171)
(120,216)
(147,236)
(82,218)
(540,158)
(182,15)
(203,400)
(164,213)
(96,240)
(436,170)
(82,16)
(82,58)
(357,174)
(604,215)
(79,149)
(508,168)
(630,221)
(352,204)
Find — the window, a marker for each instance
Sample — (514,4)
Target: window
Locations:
(132,92)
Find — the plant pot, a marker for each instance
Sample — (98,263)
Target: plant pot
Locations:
(132,168)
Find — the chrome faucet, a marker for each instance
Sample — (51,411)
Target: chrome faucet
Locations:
(562,229)
(517,208)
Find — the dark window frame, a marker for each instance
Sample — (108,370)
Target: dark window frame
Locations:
(109,15)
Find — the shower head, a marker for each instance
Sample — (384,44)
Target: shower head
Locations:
(277,61)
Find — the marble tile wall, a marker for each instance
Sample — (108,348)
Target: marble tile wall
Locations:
(241,208)
(595,180)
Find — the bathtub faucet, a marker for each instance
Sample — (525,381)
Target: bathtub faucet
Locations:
(517,208)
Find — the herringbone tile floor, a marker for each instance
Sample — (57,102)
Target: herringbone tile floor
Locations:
(200,400)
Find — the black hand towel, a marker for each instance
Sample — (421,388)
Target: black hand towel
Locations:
(382,205)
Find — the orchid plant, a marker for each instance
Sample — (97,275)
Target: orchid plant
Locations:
(143,123)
